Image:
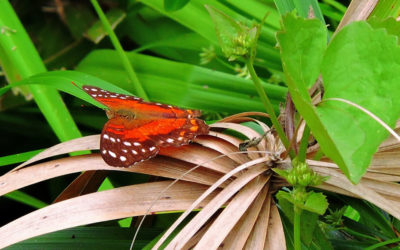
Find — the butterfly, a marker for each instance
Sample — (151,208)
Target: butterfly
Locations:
(136,129)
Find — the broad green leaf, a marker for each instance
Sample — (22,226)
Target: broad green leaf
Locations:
(390,24)
(361,65)
(302,44)
(93,237)
(173,5)
(167,81)
(195,17)
(316,202)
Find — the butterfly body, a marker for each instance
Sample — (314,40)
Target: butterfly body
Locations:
(137,129)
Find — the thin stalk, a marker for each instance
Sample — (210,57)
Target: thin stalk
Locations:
(296,227)
(304,144)
(117,45)
(269,108)
(382,244)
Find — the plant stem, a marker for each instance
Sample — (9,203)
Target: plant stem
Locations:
(268,106)
(304,144)
(117,45)
(296,228)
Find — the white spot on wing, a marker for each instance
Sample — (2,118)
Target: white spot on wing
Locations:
(134,152)
(136,144)
(93,89)
(94,95)
(112,154)
(105,136)
(104,151)
(118,140)
(124,150)
(112,139)
(122,158)
(170,140)
(143,150)
(180,138)
(152,148)
(113,96)
(126,143)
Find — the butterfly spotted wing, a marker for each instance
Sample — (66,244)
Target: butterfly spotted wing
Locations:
(137,129)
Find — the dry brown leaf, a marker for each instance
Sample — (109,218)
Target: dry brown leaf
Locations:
(191,228)
(199,155)
(232,214)
(258,235)
(156,166)
(193,241)
(357,10)
(275,234)
(102,206)
(223,147)
(86,183)
(84,143)
(235,117)
(361,190)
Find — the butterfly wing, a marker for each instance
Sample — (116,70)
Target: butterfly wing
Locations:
(141,108)
(125,142)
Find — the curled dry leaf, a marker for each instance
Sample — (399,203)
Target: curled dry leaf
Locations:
(213,173)
(102,206)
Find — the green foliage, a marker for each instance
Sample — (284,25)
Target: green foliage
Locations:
(235,38)
(173,48)
(173,5)
(352,70)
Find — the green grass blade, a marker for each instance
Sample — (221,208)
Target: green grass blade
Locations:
(18,50)
(117,45)
(17,158)
(25,199)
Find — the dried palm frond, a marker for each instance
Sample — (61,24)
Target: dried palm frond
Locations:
(241,182)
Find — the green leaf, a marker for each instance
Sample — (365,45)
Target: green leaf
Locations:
(17,158)
(308,220)
(302,44)
(316,202)
(360,65)
(25,199)
(167,81)
(302,7)
(96,33)
(173,5)
(390,24)
(234,38)
(18,51)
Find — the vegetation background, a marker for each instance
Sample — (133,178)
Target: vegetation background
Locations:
(176,59)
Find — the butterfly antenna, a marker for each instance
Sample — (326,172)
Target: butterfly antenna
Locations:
(179,178)
(75,85)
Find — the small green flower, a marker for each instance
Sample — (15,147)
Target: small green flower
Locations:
(207,55)
(236,39)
